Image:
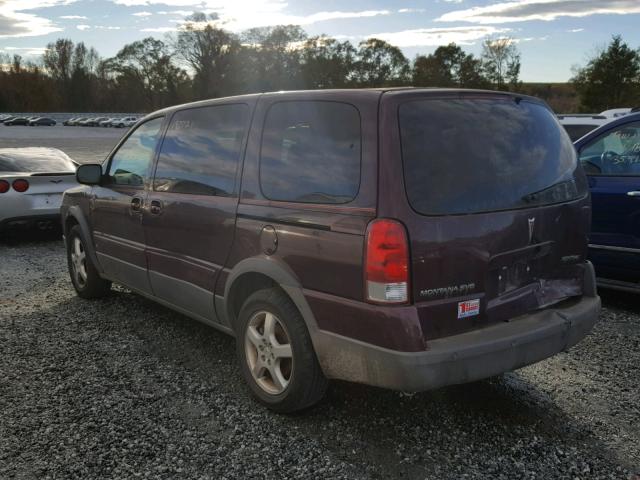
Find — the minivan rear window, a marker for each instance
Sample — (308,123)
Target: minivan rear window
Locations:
(482,154)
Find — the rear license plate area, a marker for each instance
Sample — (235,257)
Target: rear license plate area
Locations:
(514,276)
(46,201)
(512,270)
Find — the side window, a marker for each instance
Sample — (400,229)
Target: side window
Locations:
(310,152)
(614,153)
(201,150)
(130,163)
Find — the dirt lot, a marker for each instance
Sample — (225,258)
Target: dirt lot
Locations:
(123,388)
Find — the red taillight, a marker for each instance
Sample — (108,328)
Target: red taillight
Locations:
(4,186)
(20,185)
(387,262)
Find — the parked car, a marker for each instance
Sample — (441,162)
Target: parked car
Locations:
(125,122)
(578,125)
(610,157)
(108,122)
(17,121)
(69,122)
(7,119)
(616,112)
(429,237)
(78,121)
(94,122)
(42,121)
(32,181)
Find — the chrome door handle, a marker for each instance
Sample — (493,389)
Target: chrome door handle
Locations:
(156,207)
(634,194)
(136,204)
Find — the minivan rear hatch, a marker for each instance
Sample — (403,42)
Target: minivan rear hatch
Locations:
(495,205)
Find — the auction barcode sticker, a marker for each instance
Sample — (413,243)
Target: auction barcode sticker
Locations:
(468,308)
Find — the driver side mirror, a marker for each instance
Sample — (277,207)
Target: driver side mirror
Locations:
(89,174)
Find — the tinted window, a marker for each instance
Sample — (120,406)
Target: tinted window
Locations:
(311,152)
(130,163)
(36,160)
(578,131)
(201,150)
(485,154)
(616,152)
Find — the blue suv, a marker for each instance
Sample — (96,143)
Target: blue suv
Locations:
(610,156)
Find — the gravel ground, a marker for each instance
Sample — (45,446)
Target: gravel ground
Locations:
(124,388)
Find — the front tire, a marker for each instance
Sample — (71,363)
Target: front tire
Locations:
(84,275)
(276,354)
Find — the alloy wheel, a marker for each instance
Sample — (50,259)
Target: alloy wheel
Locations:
(79,262)
(268,352)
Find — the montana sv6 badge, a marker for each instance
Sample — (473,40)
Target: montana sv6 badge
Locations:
(446,292)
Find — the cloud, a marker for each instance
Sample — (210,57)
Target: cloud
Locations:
(73,17)
(160,29)
(14,22)
(432,37)
(546,10)
(575,30)
(183,13)
(411,10)
(172,3)
(240,15)
(33,51)
(142,14)
(96,27)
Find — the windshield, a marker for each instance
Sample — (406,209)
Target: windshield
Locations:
(35,160)
(481,154)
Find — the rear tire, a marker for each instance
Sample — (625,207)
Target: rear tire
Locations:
(276,355)
(84,275)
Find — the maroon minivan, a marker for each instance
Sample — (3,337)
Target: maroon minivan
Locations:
(403,238)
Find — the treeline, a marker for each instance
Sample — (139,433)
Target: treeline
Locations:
(204,61)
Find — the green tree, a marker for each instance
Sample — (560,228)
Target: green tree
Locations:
(448,66)
(327,63)
(611,79)
(271,58)
(501,63)
(145,74)
(210,52)
(381,64)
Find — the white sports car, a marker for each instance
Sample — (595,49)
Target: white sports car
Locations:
(32,181)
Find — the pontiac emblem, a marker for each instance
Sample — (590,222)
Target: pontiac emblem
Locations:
(55,181)
(532,223)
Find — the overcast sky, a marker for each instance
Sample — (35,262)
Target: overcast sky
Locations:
(553,35)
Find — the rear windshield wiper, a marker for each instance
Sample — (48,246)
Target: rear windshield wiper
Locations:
(570,190)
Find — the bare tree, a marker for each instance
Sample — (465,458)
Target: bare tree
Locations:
(209,52)
(57,59)
(501,62)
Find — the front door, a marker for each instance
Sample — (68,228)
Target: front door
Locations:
(118,205)
(189,217)
(612,162)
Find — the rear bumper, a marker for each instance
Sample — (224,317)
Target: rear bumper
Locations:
(39,222)
(462,358)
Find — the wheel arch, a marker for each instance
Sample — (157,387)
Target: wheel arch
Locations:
(255,273)
(74,216)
